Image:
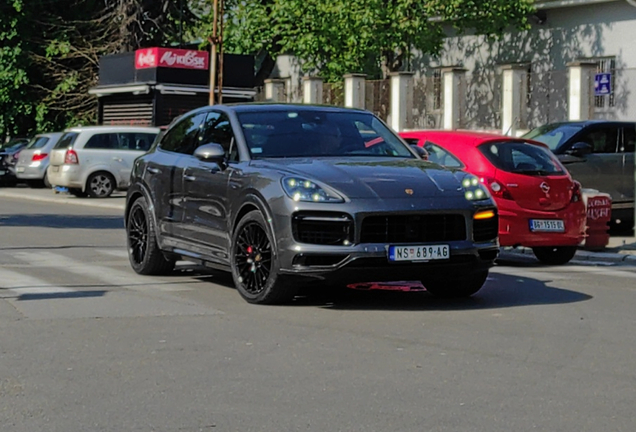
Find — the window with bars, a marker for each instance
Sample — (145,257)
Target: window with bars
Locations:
(605,65)
(437,89)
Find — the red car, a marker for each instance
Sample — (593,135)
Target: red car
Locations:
(540,206)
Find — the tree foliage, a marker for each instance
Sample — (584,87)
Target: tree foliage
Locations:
(50,49)
(334,37)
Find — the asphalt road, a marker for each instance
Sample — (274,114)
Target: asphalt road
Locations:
(87,345)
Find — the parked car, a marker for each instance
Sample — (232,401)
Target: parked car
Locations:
(8,158)
(540,206)
(279,195)
(34,159)
(97,160)
(599,154)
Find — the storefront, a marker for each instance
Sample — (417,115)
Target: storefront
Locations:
(152,86)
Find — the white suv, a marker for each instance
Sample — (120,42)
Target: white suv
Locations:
(96,160)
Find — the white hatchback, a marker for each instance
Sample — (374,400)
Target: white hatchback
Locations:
(97,160)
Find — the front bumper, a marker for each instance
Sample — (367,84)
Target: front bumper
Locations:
(514,226)
(368,262)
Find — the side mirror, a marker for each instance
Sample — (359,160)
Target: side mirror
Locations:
(421,152)
(210,153)
(580,149)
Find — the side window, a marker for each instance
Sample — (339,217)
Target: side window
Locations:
(136,141)
(441,156)
(629,139)
(182,137)
(104,141)
(602,140)
(217,129)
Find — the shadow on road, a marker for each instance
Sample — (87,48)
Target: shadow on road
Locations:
(500,291)
(62,221)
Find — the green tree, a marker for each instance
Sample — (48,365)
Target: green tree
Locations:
(335,37)
(50,49)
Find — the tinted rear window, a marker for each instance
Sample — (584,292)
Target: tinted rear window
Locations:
(37,143)
(521,158)
(67,140)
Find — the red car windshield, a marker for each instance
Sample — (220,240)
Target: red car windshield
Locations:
(521,158)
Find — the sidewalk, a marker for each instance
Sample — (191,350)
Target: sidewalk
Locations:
(115,201)
(621,248)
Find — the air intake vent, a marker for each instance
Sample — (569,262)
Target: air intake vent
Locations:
(413,228)
(323,228)
(485,229)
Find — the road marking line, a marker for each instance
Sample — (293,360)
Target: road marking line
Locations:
(24,284)
(109,275)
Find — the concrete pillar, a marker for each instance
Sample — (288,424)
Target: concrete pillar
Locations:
(401,100)
(312,90)
(275,90)
(354,86)
(513,105)
(580,96)
(451,79)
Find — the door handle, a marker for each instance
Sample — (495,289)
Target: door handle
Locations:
(189,178)
(117,159)
(152,170)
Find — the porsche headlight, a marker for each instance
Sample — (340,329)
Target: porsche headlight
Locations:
(300,189)
(473,189)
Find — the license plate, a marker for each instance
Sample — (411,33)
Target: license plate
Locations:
(419,253)
(547,225)
(20,169)
(55,168)
(2,172)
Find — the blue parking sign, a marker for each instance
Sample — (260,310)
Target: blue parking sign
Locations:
(602,84)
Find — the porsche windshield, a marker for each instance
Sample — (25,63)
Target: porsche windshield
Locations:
(314,133)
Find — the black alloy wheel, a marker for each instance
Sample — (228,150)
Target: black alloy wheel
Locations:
(255,267)
(253,257)
(145,256)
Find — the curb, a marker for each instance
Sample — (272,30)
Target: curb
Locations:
(63,199)
(582,255)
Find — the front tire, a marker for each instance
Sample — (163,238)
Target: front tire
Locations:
(456,287)
(255,263)
(100,185)
(554,255)
(143,251)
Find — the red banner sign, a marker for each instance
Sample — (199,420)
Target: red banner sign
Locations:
(171,58)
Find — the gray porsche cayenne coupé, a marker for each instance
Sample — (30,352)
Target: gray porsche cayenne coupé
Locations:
(280,195)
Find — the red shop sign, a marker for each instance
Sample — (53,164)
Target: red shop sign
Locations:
(171,58)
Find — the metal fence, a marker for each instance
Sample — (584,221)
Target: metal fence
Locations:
(333,94)
(377,95)
(480,100)
(428,102)
(544,98)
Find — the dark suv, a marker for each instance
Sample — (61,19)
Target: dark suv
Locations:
(279,193)
(599,154)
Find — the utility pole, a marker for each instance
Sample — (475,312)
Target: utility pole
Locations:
(216,52)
